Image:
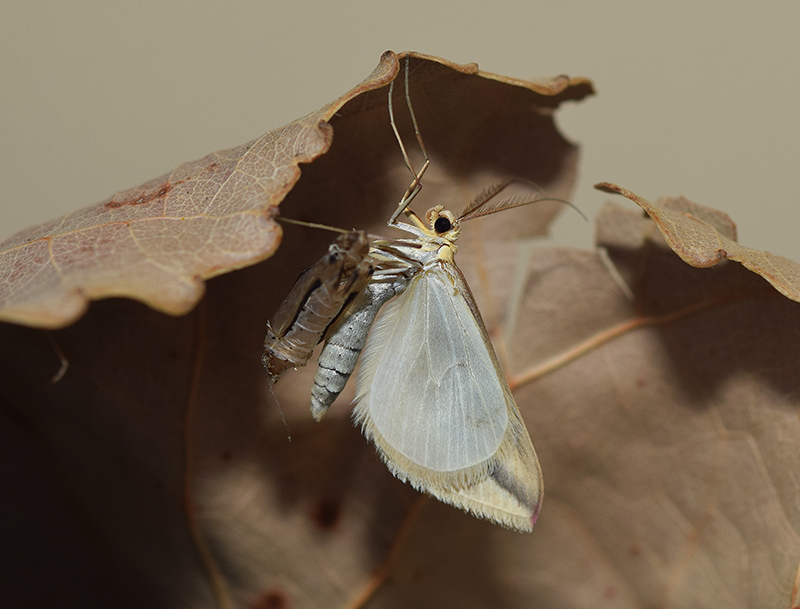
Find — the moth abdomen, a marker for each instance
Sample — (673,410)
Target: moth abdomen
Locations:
(342,348)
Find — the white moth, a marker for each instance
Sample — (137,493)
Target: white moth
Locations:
(431,394)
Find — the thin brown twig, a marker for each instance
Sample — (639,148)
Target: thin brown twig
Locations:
(608,335)
(382,573)
(216,580)
(795,603)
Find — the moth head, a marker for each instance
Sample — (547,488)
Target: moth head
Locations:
(443,223)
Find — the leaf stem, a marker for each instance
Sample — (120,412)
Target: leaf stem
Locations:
(608,335)
(382,573)
(219,588)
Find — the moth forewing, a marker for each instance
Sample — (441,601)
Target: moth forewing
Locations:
(505,495)
(433,399)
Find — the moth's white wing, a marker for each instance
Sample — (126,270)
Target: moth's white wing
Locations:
(433,400)
(434,395)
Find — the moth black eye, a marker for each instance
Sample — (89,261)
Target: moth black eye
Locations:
(442,225)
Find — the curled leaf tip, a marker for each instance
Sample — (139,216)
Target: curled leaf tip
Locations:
(608,187)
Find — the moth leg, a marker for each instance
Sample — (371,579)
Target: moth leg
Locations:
(416,184)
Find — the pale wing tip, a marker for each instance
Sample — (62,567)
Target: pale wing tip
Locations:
(490,501)
(514,521)
(535,515)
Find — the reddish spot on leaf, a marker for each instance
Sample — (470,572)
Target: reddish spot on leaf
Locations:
(326,513)
(417,574)
(157,193)
(274,598)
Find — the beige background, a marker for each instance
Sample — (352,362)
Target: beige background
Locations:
(699,99)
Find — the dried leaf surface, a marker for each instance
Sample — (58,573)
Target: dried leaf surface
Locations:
(703,237)
(666,425)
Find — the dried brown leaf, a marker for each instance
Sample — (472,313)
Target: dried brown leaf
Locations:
(157,471)
(703,237)
(158,243)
